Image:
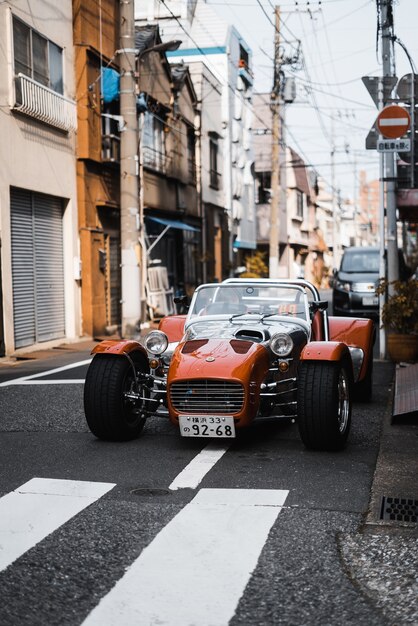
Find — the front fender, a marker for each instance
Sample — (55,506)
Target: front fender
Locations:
(118,348)
(324,351)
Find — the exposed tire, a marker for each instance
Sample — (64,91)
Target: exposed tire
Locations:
(109,414)
(363,390)
(324,404)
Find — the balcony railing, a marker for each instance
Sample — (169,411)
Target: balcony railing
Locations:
(111,148)
(44,104)
(153,159)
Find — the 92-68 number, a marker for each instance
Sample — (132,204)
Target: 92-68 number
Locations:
(203,430)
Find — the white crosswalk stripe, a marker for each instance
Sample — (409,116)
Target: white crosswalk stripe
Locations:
(37,508)
(196,569)
(215,542)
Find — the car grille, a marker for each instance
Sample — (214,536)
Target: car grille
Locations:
(214,397)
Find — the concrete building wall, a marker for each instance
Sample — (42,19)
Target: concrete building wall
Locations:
(36,156)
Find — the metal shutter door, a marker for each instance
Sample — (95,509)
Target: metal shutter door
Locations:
(22,267)
(37,267)
(49,268)
(114,280)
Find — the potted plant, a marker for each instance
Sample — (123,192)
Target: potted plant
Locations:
(400,318)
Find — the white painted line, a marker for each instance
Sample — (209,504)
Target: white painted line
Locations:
(197,469)
(197,568)
(37,508)
(18,381)
(53,381)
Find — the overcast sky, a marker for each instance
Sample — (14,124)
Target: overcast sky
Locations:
(339,47)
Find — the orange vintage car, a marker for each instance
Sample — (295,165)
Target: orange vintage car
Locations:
(246,350)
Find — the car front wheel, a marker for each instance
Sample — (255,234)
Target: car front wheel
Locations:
(115,397)
(324,404)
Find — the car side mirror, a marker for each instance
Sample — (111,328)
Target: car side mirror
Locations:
(183,300)
(318,305)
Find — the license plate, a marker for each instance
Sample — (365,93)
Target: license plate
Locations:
(370,301)
(207,426)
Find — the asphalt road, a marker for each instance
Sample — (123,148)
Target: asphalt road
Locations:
(195,555)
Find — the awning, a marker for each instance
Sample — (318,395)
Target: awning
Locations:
(172,223)
(249,245)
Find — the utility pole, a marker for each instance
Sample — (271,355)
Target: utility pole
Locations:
(275,156)
(129,197)
(385,7)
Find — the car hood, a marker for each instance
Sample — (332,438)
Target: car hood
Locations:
(217,358)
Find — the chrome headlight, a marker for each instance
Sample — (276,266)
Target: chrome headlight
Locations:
(281,344)
(156,342)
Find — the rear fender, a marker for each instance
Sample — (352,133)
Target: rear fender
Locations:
(173,327)
(356,333)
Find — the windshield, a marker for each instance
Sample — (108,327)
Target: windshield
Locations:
(361,261)
(239,301)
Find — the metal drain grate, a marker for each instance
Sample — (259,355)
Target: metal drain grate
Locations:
(399,510)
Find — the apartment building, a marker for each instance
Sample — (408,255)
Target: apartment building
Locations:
(39,255)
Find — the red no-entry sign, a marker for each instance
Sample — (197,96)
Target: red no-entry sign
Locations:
(393,121)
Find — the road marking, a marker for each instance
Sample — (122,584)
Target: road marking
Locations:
(54,381)
(197,469)
(197,567)
(37,508)
(22,379)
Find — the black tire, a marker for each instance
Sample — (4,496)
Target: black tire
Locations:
(363,390)
(324,404)
(111,416)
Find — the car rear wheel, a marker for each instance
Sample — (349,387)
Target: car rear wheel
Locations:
(324,404)
(111,409)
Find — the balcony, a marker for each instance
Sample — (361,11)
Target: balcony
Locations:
(44,104)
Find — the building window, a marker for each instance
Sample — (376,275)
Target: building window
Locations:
(191,155)
(214,176)
(36,57)
(153,144)
(299,204)
(263,188)
(243,57)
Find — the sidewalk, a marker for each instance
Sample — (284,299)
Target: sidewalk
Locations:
(382,559)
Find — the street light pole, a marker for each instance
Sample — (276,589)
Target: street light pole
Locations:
(129,202)
(390,168)
(133,272)
(274,242)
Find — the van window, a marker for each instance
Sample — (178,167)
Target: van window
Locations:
(360,261)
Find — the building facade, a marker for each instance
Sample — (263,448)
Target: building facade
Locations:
(39,255)
(208,39)
(215,239)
